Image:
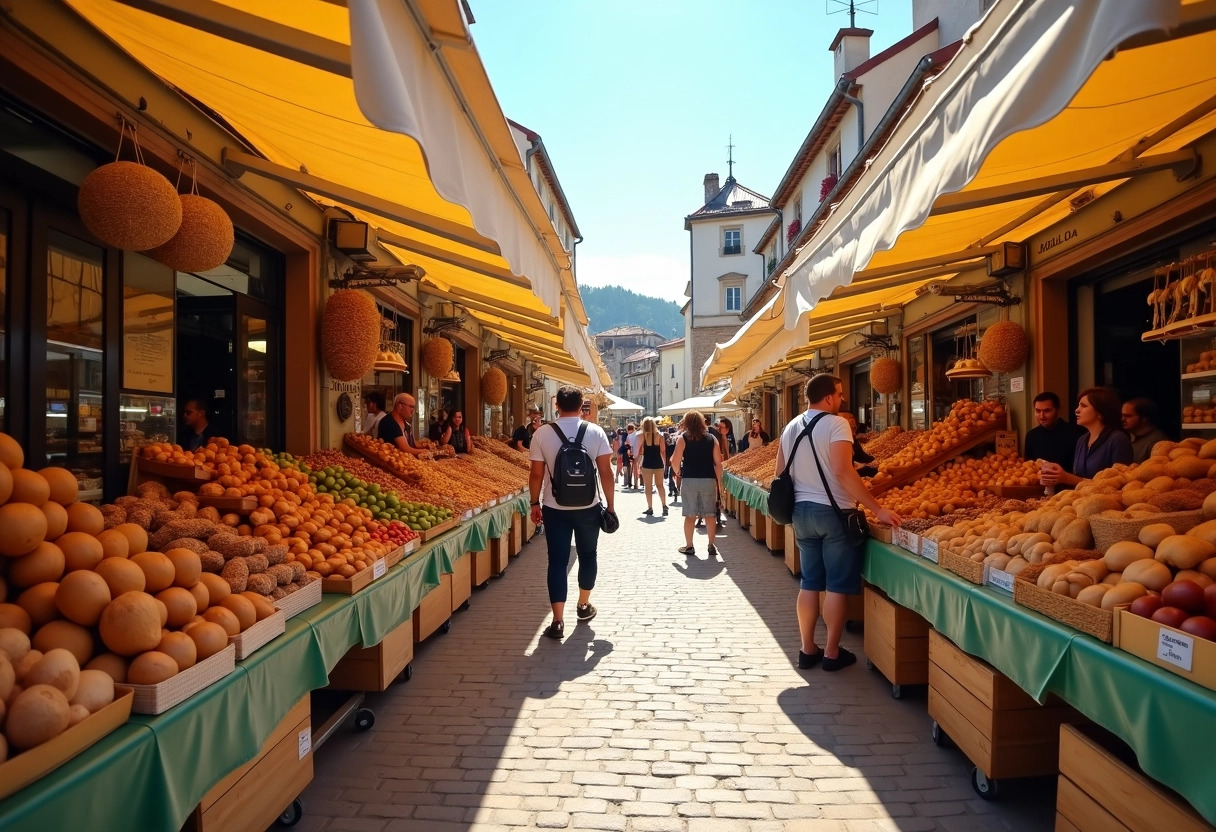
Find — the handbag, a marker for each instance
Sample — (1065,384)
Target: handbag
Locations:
(781,490)
(856,529)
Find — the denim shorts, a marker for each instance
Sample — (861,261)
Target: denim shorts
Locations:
(827,560)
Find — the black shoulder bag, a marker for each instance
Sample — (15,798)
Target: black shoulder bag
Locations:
(781,490)
(856,529)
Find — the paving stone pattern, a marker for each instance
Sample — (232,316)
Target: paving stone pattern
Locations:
(677,709)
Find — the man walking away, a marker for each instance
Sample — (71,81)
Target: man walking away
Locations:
(829,562)
(572,509)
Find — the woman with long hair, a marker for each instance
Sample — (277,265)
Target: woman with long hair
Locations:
(456,434)
(698,466)
(654,460)
(1102,445)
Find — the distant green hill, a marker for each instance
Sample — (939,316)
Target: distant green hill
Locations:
(609,306)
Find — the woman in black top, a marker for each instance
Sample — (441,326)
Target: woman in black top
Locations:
(698,466)
(654,459)
(456,434)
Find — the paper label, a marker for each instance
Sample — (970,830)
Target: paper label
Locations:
(1176,648)
(906,540)
(928,549)
(379,569)
(1001,580)
(1006,443)
(305,742)
(1016,385)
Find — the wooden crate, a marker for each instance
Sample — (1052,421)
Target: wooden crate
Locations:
(997,725)
(516,543)
(757,521)
(251,798)
(529,527)
(743,514)
(896,640)
(462,584)
(1100,789)
(375,668)
(481,569)
(774,535)
(499,548)
(793,560)
(436,608)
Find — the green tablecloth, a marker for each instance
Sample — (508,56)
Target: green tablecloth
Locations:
(152,772)
(750,493)
(1160,715)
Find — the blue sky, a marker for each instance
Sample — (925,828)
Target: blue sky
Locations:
(635,101)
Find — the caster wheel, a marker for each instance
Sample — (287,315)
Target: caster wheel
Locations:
(940,738)
(465,605)
(985,788)
(446,627)
(364,719)
(292,814)
(869,665)
(408,673)
(897,691)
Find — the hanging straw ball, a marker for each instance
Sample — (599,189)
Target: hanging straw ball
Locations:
(1004,347)
(437,356)
(203,241)
(350,334)
(130,206)
(493,386)
(886,375)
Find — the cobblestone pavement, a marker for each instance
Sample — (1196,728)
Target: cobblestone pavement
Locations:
(677,708)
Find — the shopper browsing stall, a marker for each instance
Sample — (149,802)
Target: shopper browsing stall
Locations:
(698,466)
(521,439)
(373,401)
(1055,438)
(1103,444)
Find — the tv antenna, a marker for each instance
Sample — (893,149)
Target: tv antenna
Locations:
(852,7)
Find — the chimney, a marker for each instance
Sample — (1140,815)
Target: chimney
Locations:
(711,186)
(850,48)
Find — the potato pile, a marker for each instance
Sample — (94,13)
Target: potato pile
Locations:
(958,484)
(966,419)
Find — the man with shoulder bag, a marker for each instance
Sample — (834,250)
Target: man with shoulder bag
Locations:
(828,524)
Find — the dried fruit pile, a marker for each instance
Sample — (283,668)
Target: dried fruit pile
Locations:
(755,464)
(503,451)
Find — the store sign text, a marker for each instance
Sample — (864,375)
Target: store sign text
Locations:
(1048,245)
(344,386)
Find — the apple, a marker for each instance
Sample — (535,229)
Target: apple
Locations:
(1209,600)
(1145,606)
(1200,626)
(1185,595)
(1170,616)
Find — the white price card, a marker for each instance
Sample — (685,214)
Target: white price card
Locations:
(379,569)
(1176,648)
(928,549)
(305,742)
(1017,384)
(1000,579)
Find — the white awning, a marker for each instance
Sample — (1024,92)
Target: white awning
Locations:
(620,405)
(705,404)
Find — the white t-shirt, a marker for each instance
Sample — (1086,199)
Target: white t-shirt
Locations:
(635,443)
(546,443)
(371,422)
(807,483)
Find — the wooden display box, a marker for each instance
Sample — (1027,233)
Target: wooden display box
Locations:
(436,608)
(997,725)
(774,535)
(251,798)
(462,583)
(499,553)
(438,529)
(529,527)
(1100,789)
(896,640)
(516,542)
(757,521)
(744,514)
(480,572)
(374,668)
(1186,655)
(793,560)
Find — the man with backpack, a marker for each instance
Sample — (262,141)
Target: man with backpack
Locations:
(571,461)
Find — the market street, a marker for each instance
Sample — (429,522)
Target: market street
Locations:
(676,708)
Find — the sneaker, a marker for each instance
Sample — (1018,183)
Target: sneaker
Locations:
(664,511)
(809,660)
(843,659)
(648,512)
(585,612)
(713,551)
(555,630)
(687,550)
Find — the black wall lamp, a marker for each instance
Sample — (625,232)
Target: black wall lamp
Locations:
(351,237)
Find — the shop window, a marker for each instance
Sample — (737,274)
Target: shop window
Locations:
(918,393)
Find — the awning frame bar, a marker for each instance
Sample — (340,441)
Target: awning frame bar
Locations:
(911,266)
(473,300)
(452,258)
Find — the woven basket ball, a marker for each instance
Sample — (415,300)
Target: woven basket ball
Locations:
(1004,347)
(203,241)
(437,356)
(350,334)
(886,375)
(493,386)
(130,206)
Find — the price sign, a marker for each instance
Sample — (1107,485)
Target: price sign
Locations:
(1176,648)
(1006,443)
(928,549)
(305,742)
(999,579)
(906,540)
(1017,385)
(379,569)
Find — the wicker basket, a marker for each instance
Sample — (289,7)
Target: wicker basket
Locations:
(1096,621)
(156,699)
(881,532)
(300,600)
(259,634)
(964,567)
(1108,531)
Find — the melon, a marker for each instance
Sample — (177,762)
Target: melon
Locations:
(14,616)
(57,668)
(217,588)
(225,617)
(137,537)
(151,668)
(86,518)
(39,602)
(180,605)
(110,664)
(29,487)
(11,453)
(181,648)
(62,484)
(202,596)
(81,550)
(244,610)
(56,519)
(208,638)
(6,483)
(131,623)
(14,643)
(39,714)
(158,570)
(45,563)
(22,527)
(82,596)
(121,575)
(187,567)
(74,638)
(264,606)
(114,544)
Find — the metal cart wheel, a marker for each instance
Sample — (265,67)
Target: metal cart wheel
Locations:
(985,788)
(940,738)
(446,627)
(465,606)
(408,673)
(897,691)
(364,719)
(292,814)
(869,665)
